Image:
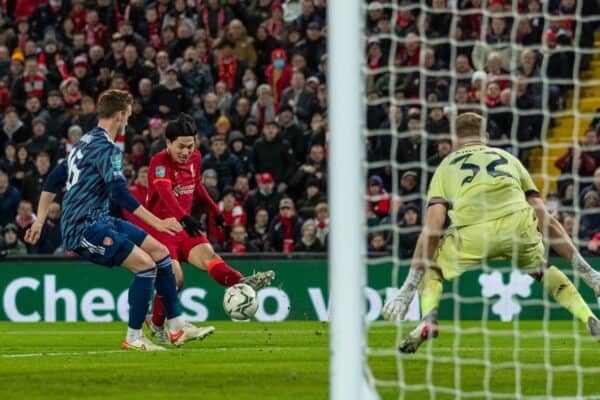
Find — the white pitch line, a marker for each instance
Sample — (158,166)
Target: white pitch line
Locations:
(169,350)
(113,332)
(72,353)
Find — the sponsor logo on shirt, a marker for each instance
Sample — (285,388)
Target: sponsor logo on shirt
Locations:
(183,189)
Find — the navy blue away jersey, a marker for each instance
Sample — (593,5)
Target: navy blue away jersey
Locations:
(92,165)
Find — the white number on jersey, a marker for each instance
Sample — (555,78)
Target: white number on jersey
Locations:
(73,176)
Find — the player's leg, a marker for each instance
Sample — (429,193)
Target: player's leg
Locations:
(179,331)
(531,255)
(157,320)
(201,254)
(457,252)
(565,294)
(103,245)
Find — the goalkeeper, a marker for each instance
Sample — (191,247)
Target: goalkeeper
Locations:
(495,212)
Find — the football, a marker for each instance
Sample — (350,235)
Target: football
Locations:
(240,302)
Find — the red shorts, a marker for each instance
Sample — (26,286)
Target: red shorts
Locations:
(179,245)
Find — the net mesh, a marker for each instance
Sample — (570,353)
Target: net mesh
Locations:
(533,70)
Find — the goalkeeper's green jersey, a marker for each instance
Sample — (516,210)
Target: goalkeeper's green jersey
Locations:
(480,183)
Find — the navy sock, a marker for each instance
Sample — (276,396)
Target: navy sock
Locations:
(140,294)
(167,288)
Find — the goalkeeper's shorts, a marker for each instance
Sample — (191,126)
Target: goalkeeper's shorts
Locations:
(514,237)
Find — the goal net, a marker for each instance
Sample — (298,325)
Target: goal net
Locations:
(532,69)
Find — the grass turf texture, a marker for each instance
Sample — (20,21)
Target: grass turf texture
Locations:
(286,360)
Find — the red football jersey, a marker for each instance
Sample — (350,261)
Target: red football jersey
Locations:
(171,186)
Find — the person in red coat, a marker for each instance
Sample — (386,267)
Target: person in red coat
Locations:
(378,199)
(278,75)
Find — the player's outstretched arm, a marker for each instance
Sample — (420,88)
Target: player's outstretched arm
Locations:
(552,229)
(55,181)
(560,242)
(396,309)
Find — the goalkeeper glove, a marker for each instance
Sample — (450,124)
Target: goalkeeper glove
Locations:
(220,221)
(191,225)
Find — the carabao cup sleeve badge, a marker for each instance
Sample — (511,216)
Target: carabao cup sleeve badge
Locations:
(160,172)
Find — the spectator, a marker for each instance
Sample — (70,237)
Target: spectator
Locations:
(244,44)
(9,200)
(278,75)
(309,242)
(285,230)
(590,220)
(8,162)
(576,161)
(194,75)
(169,97)
(41,141)
(263,197)
(312,196)
(322,222)
(242,189)
(132,68)
(210,180)
(264,44)
(444,147)
(232,211)
(238,241)
(25,217)
(227,165)
(229,68)
(251,131)
(258,232)
(274,155)
(24,165)
(407,238)
(241,113)
(263,108)
(292,132)
(241,151)
(206,118)
(33,109)
(377,243)
(59,121)
(81,71)
(315,169)
(593,187)
(300,98)
(34,180)
(378,200)
(11,244)
(13,129)
(409,189)
(223,96)
(32,83)
(50,240)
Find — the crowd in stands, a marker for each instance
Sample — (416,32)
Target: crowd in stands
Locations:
(253,75)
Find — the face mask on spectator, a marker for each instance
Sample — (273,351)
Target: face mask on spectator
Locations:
(278,64)
(251,85)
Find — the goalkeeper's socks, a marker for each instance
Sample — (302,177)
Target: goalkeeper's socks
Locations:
(167,288)
(590,276)
(430,290)
(140,294)
(223,274)
(566,294)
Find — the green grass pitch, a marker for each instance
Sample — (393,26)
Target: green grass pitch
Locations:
(286,360)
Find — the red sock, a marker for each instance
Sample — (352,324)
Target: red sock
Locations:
(223,274)
(158,312)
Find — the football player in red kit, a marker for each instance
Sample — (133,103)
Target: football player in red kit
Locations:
(173,179)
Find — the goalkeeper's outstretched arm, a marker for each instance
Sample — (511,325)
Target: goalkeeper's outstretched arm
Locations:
(395,309)
(560,242)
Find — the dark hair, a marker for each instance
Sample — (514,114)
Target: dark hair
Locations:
(112,101)
(184,125)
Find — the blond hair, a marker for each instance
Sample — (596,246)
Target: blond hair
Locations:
(469,124)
